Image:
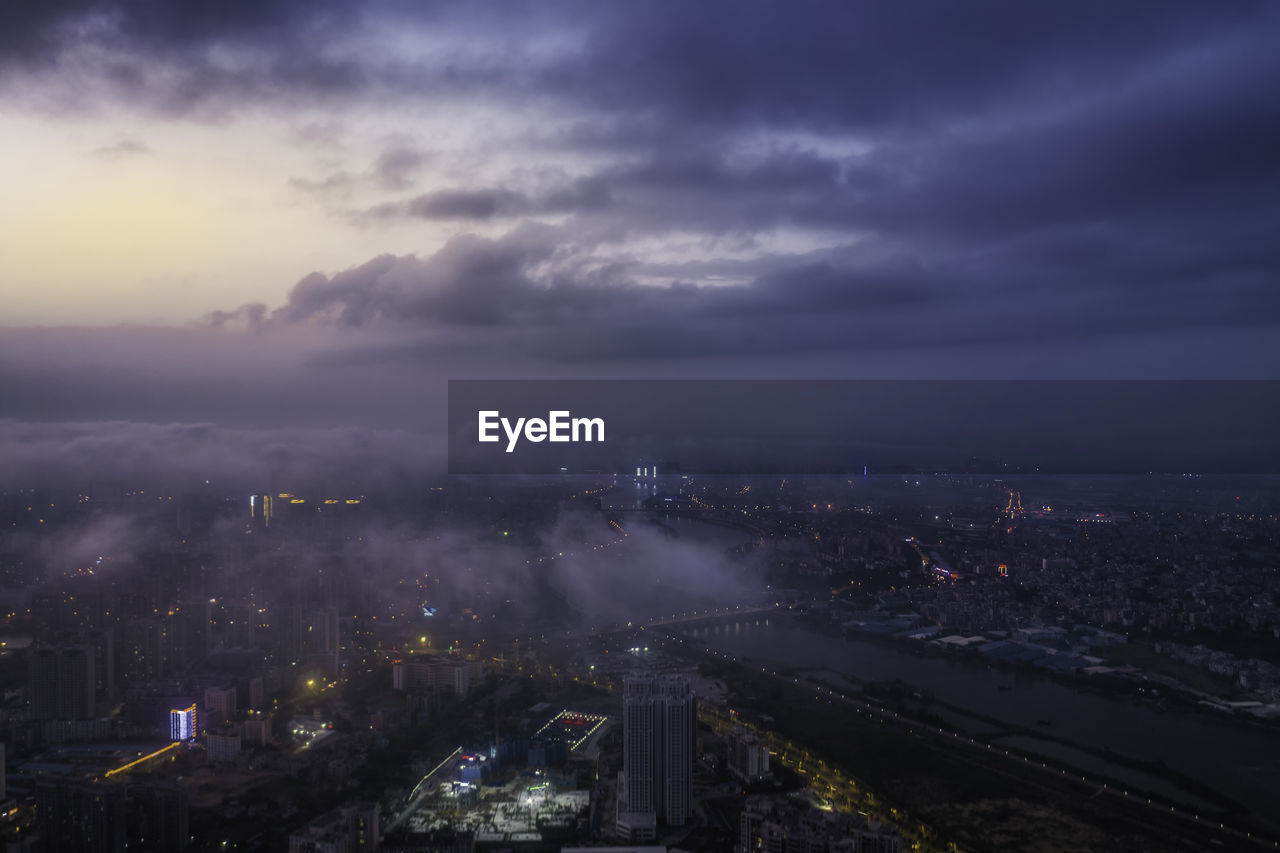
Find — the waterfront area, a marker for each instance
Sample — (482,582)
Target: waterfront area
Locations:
(1242,762)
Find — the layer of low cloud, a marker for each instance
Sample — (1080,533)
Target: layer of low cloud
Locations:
(529,290)
(128,454)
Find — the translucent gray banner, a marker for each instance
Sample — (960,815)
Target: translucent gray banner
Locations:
(863,426)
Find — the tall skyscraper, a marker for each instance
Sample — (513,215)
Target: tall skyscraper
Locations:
(81,817)
(308,636)
(257,693)
(321,639)
(680,722)
(187,633)
(60,683)
(659,719)
(158,817)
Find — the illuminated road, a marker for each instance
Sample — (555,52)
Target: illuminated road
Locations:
(420,790)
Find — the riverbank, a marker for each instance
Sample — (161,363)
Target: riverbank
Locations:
(1158,691)
(1120,738)
(980,796)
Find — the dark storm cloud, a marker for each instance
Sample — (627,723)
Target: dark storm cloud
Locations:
(581,196)
(397,165)
(1070,189)
(862,65)
(707,66)
(40,30)
(525,292)
(172,58)
(1127,190)
(1191,147)
(471,281)
(467,204)
(395,168)
(670,191)
(975,123)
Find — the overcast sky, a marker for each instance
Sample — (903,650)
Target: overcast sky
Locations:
(273,218)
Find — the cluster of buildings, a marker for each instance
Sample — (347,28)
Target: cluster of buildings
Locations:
(1260,676)
(219,619)
(191,644)
(436,673)
(776,824)
(1162,565)
(82,805)
(531,811)
(93,675)
(346,829)
(1081,581)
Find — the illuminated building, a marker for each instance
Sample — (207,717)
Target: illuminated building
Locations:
(182,723)
(261,510)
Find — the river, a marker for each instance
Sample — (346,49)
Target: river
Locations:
(1243,763)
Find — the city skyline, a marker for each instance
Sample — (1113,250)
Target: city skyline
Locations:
(500,427)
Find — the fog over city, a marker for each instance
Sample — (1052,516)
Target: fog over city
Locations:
(933,349)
